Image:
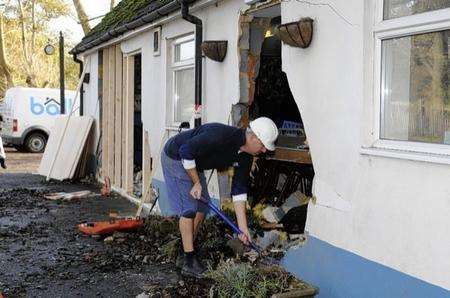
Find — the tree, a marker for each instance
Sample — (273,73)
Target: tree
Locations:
(23,35)
(82,16)
(6,80)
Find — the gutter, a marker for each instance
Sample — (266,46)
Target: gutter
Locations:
(198,57)
(159,22)
(75,58)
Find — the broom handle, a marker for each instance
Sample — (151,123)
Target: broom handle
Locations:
(229,222)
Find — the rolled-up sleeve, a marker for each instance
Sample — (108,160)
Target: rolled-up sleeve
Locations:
(239,187)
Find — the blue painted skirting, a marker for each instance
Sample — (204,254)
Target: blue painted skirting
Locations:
(340,273)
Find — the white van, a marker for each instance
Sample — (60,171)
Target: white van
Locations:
(29,115)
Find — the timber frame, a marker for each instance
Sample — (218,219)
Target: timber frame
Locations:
(118,121)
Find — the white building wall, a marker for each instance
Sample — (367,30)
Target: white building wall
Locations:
(391,211)
(220,80)
(91,101)
(388,210)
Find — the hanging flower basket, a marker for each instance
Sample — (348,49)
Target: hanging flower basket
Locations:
(297,34)
(215,49)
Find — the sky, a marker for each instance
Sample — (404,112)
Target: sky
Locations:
(93,8)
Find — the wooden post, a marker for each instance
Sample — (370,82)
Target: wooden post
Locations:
(129,125)
(105,114)
(146,163)
(118,120)
(111,112)
(124,123)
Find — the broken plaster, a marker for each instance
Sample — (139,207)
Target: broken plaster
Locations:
(251,37)
(326,196)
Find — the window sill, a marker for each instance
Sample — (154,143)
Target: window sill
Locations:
(406,154)
(172,128)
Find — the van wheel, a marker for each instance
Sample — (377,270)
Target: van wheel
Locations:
(35,142)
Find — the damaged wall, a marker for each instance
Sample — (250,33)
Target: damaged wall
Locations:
(375,207)
(391,211)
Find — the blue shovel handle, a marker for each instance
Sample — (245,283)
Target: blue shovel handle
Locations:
(229,222)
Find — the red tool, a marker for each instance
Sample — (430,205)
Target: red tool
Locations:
(109,227)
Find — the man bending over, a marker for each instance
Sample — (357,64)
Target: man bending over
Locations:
(210,146)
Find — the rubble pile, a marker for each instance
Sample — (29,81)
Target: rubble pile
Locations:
(46,255)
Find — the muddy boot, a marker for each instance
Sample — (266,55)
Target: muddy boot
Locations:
(192,266)
(179,263)
(2,163)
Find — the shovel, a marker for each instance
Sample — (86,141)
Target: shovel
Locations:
(267,260)
(230,223)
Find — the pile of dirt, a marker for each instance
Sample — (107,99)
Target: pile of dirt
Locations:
(229,274)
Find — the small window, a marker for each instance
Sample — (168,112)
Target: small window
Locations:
(415,88)
(157,42)
(184,51)
(183,80)
(184,94)
(401,8)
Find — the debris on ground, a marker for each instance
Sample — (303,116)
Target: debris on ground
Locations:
(46,256)
(137,184)
(64,196)
(106,188)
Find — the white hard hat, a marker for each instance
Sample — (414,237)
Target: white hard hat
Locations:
(266,131)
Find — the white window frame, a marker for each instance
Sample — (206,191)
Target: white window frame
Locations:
(431,21)
(174,67)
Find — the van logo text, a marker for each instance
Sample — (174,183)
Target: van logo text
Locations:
(50,107)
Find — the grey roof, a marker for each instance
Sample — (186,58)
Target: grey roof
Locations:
(126,16)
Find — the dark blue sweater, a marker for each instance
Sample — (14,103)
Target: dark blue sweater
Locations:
(214,146)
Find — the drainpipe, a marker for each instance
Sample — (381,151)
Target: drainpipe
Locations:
(198,56)
(75,58)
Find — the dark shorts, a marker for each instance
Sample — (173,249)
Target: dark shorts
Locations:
(179,185)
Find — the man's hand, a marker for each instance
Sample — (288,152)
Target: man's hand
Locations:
(245,236)
(196,191)
(239,208)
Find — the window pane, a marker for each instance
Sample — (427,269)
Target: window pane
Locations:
(400,8)
(184,94)
(415,88)
(184,51)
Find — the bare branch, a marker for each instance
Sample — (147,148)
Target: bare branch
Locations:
(4,67)
(82,16)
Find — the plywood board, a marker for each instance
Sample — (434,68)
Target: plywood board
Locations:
(61,164)
(297,156)
(118,120)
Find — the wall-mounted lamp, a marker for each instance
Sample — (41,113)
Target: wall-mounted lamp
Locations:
(296,34)
(215,49)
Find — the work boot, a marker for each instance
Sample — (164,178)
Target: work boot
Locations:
(180,260)
(192,266)
(2,163)
(180,257)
